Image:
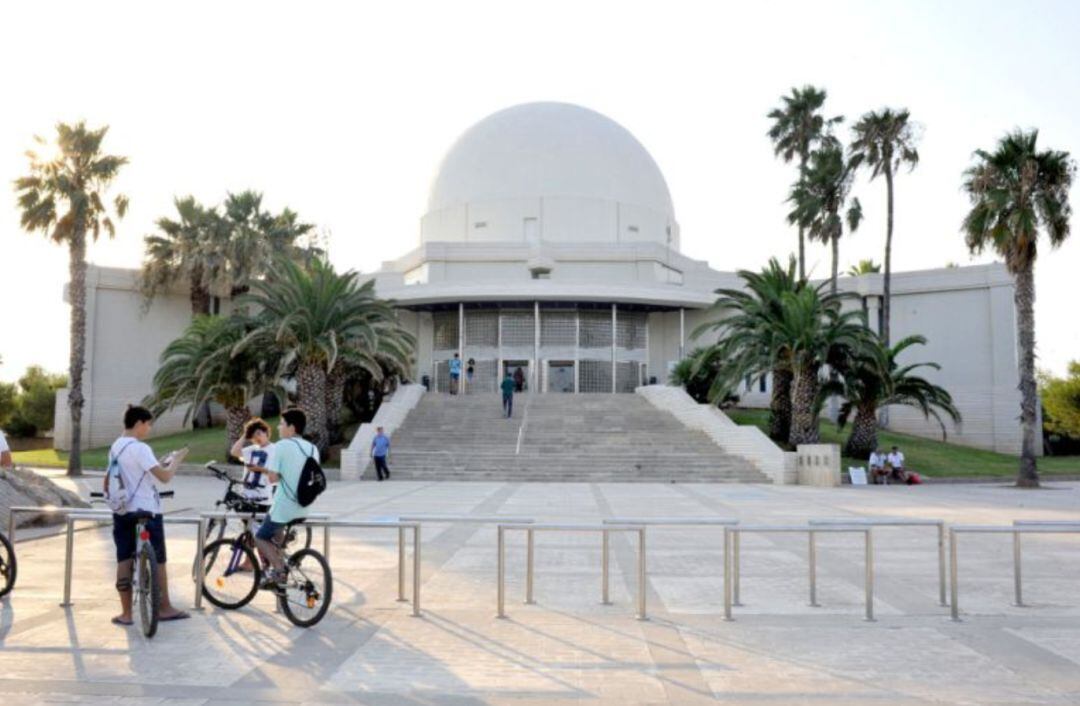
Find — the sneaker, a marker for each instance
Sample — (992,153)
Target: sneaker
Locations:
(271,581)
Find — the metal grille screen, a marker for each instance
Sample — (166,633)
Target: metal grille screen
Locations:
(442,376)
(481,329)
(596,331)
(518,329)
(483,377)
(630,329)
(446,330)
(627,377)
(558,328)
(595,376)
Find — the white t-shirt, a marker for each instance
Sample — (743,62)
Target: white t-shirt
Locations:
(896,459)
(135,459)
(877,460)
(257,485)
(3,443)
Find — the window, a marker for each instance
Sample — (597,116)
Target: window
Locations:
(761,384)
(480,224)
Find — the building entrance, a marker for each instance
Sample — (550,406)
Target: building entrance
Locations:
(561,376)
(519,371)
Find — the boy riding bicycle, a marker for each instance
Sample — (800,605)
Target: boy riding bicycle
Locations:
(254,448)
(287,461)
(132,471)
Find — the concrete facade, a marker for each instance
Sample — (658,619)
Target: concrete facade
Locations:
(549,217)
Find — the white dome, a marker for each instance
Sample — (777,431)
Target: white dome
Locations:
(579,175)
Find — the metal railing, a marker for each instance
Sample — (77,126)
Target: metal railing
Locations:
(531,529)
(1018,528)
(731,566)
(655,522)
(902,522)
(44,510)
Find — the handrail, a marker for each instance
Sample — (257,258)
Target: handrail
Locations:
(902,522)
(531,529)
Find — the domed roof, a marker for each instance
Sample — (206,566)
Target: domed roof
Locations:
(549,150)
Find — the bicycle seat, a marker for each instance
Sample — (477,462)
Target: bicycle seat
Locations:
(143,515)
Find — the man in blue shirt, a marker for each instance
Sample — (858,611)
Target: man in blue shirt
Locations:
(380,451)
(455,374)
(507,387)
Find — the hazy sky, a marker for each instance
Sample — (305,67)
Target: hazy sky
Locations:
(342,111)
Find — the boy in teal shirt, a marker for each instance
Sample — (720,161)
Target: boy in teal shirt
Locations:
(508,386)
(287,461)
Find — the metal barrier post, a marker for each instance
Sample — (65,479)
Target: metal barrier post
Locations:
(605,560)
(416,571)
(200,563)
(813,569)
(326,542)
(736,567)
(941,563)
(502,573)
(1016,568)
(728,559)
(68,551)
(401,565)
(529,557)
(641,573)
(869,539)
(11,525)
(952,576)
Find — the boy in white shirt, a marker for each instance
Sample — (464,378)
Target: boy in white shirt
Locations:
(137,467)
(254,449)
(896,463)
(877,465)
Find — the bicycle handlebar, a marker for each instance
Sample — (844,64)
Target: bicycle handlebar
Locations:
(161,494)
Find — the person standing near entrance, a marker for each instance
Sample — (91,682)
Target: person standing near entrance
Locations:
(380,452)
(519,379)
(508,385)
(455,374)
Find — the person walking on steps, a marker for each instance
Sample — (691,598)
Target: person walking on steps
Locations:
(508,386)
(380,452)
(455,374)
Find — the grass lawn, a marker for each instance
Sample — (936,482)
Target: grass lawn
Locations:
(925,456)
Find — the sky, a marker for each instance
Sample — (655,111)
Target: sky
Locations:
(342,111)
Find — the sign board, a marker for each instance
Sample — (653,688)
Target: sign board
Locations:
(858,475)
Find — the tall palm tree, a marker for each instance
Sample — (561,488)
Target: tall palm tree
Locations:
(200,367)
(819,198)
(797,128)
(185,251)
(255,238)
(884,141)
(1015,192)
(316,317)
(747,322)
(63,196)
(873,380)
(818,333)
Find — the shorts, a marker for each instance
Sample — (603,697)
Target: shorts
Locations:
(269,529)
(124,527)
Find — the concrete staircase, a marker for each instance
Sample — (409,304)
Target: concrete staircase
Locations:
(557,437)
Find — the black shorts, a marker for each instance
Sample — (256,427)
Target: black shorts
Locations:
(124,535)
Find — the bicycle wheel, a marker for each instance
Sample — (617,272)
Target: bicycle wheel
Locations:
(7,566)
(308,589)
(148,592)
(224,584)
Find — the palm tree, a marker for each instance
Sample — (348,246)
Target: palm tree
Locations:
(819,197)
(797,128)
(885,141)
(872,380)
(185,251)
(63,196)
(747,322)
(315,317)
(200,367)
(255,238)
(864,267)
(818,333)
(1015,192)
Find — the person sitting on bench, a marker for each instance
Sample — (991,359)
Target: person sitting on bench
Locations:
(878,472)
(895,461)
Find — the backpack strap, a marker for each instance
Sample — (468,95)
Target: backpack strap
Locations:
(116,460)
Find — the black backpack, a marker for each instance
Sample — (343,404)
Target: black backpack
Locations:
(312,480)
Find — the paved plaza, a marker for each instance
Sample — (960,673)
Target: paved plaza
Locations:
(568,648)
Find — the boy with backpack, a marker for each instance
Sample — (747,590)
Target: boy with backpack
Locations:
(294,466)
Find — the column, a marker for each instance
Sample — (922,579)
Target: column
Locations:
(461,346)
(536,348)
(577,351)
(498,345)
(643,369)
(682,332)
(613,330)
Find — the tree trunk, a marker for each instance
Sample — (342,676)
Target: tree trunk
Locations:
(886,302)
(804,421)
(803,156)
(335,396)
(780,406)
(863,439)
(311,389)
(77,292)
(235,418)
(835,261)
(199,294)
(1024,297)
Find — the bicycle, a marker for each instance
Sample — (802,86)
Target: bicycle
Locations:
(308,584)
(8,565)
(144,579)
